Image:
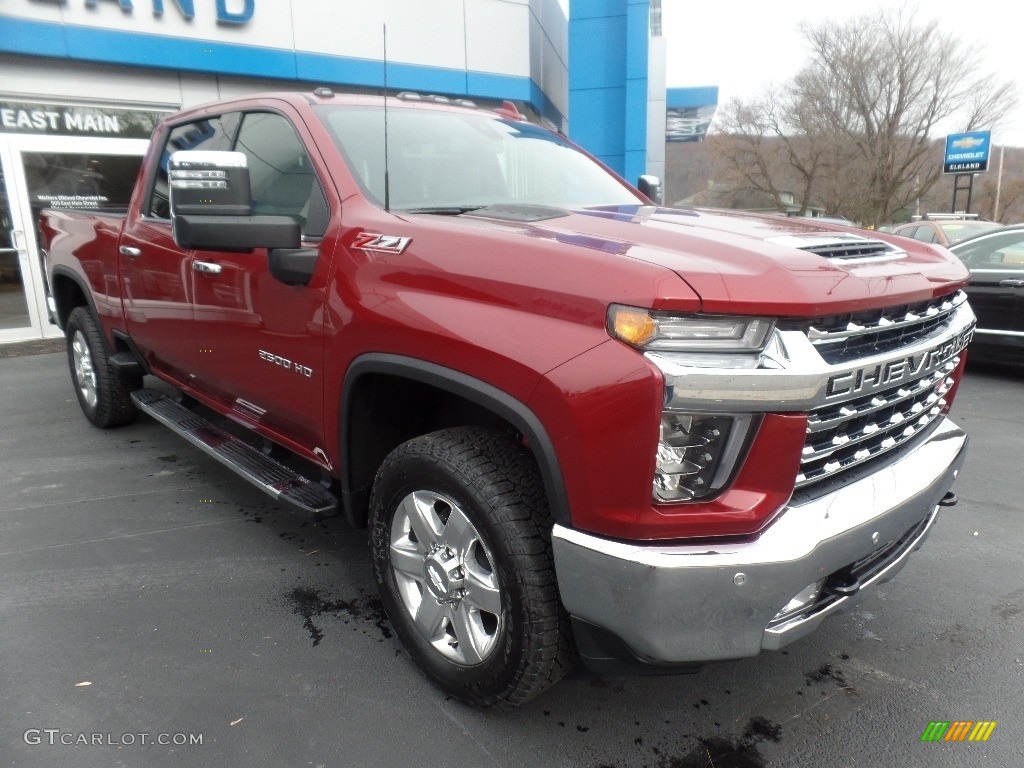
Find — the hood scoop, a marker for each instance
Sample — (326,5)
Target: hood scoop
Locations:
(842,248)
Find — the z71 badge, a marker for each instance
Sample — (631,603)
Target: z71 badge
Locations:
(367,241)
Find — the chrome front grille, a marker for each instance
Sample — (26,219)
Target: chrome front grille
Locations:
(842,436)
(872,384)
(849,337)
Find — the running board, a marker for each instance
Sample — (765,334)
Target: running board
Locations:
(270,476)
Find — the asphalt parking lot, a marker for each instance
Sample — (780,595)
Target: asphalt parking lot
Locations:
(147,594)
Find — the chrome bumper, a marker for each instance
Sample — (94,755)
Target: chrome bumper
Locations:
(698,602)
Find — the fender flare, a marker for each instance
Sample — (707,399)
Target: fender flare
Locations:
(63,271)
(469,388)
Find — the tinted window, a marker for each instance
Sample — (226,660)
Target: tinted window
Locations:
(281,174)
(212,133)
(905,231)
(1002,251)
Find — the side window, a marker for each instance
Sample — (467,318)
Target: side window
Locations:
(1004,252)
(926,233)
(210,133)
(281,175)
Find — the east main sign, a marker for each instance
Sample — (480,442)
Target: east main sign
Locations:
(967,152)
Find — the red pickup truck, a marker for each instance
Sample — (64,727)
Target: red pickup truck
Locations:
(576,423)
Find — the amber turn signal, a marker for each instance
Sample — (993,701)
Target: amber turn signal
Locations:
(631,325)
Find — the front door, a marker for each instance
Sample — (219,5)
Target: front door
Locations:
(260,340)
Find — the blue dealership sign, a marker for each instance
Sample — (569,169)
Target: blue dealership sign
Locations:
(967,152)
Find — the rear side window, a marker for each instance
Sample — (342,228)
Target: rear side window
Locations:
(281,174)
(925,233)
(211,133)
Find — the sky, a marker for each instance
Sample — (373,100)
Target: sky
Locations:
(744,45)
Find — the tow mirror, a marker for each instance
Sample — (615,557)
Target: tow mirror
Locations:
(211,205)
(204,183)
(651,187)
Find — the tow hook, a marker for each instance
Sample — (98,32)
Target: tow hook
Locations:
(842,584)
(949,500)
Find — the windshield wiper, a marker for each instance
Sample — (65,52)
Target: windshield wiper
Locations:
(441,210)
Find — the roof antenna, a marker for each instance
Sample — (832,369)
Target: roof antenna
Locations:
(387,180)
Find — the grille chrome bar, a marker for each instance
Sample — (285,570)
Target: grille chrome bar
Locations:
(841,438)
(914,315)
(824,418)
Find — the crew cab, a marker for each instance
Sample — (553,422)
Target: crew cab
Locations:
(578,424)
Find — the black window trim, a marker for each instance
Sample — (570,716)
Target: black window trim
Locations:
(306,146)
(164,137)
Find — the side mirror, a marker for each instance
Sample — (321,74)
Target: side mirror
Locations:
(651,187)
(206,183)
(211,206)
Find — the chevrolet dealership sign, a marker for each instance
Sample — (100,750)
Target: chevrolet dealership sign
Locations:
(967,152)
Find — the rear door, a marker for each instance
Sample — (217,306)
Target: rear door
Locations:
(996,290)
(157,275)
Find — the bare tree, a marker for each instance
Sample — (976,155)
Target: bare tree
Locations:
(856,125)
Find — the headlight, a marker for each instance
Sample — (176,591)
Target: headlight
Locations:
(697,452)
(666,332)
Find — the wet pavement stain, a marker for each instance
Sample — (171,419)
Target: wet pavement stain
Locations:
(827,672)
(309,604)
(717,752)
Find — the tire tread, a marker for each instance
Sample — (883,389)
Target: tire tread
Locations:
(114,405)
(505,475)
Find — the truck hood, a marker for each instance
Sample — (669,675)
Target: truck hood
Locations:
(759,264)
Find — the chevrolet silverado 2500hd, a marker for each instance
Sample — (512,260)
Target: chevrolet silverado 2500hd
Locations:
(576,423)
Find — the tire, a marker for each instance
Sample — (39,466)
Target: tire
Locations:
(461,541)
(104,396)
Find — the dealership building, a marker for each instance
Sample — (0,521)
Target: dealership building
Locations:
(84,82)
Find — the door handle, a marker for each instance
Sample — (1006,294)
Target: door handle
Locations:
(130,252)
(16,235)
(206,267)
(1012,283)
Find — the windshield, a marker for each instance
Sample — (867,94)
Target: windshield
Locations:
(459,161)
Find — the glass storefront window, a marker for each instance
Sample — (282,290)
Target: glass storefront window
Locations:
(81,182)
(13,302)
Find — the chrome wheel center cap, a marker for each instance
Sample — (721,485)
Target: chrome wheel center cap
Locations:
(443,575)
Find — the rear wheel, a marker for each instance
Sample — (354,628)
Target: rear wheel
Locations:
(105,398)
(460,534)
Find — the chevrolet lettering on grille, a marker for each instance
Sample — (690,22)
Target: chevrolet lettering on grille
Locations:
(874,377)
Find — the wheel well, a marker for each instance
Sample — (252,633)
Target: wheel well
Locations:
(67,294)
(384,411)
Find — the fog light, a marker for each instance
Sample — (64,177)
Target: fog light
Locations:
(804,598)
(696,454)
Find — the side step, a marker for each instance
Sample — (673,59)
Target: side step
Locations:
(273,478)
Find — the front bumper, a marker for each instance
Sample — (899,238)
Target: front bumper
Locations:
(684,603)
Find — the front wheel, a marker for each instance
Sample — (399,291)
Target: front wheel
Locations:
(460,534)
(105,398)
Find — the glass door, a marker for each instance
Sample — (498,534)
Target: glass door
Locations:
(19,318)
(72,173)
